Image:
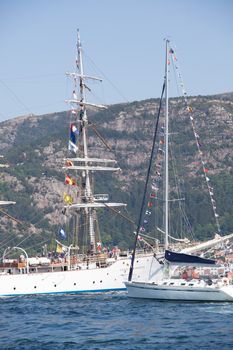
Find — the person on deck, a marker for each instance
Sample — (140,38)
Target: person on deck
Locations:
(195,274)
(184,275)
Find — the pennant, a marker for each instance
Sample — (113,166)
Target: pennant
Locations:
(216,215)
(153,195)
(207,179)
(69,163)
(145,221)
(74,95)
(73,112)
(148,212)
(142,229)
(70,181)
(61,233)
(73,132)
(150,204)
(154,188)
(98,246)
(140,238)
(171,51)
(206,170)
(189,108)
(59,249)
(72,147)
(67,198)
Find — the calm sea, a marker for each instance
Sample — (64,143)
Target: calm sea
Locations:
(112,321)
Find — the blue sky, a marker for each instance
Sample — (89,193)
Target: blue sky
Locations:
(124,39)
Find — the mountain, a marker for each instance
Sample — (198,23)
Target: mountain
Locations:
(35,148)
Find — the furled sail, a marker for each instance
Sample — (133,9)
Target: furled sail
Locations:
(186,259)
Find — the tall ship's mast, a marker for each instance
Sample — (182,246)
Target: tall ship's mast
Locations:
(81,162)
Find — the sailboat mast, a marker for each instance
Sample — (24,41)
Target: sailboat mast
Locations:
(88,192)
(166,173)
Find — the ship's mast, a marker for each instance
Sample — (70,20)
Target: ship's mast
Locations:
(166,173)
(88,193)
(87,165)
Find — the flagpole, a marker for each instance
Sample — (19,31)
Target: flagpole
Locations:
(166,174)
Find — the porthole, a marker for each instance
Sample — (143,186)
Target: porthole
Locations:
(35,287)
(93,282)
(101,281)
(14,288)
(74,284)
(55,285)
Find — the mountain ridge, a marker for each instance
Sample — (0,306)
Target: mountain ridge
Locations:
(35,147)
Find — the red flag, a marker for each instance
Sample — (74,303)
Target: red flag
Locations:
(206,170)
(69,180)
(69,163)
(150,204)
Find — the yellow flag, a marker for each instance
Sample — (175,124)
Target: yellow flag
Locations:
(59,248)
(67,198)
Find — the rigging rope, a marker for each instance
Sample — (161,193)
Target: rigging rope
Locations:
(146,184)
(197,138)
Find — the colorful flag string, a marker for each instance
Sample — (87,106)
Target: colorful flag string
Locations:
(196,136)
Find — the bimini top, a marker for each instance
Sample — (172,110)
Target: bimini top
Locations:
(186,259)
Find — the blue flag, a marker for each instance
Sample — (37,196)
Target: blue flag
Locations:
(61,233)
(73,133)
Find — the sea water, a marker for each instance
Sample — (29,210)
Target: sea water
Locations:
(112,321)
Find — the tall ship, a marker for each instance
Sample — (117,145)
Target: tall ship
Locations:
(73,271)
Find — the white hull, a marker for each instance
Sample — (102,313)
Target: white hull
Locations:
(91,280)
(179,293)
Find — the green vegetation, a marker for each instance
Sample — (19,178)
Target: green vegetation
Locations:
(37,152)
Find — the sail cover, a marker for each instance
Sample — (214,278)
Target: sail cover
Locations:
(186,259)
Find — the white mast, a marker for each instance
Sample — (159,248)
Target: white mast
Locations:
(88,192)
(87,166)
(166,199)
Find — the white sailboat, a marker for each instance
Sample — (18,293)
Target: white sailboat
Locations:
(72,271)
(166,286)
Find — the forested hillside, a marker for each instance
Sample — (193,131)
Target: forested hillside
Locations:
(35,148)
